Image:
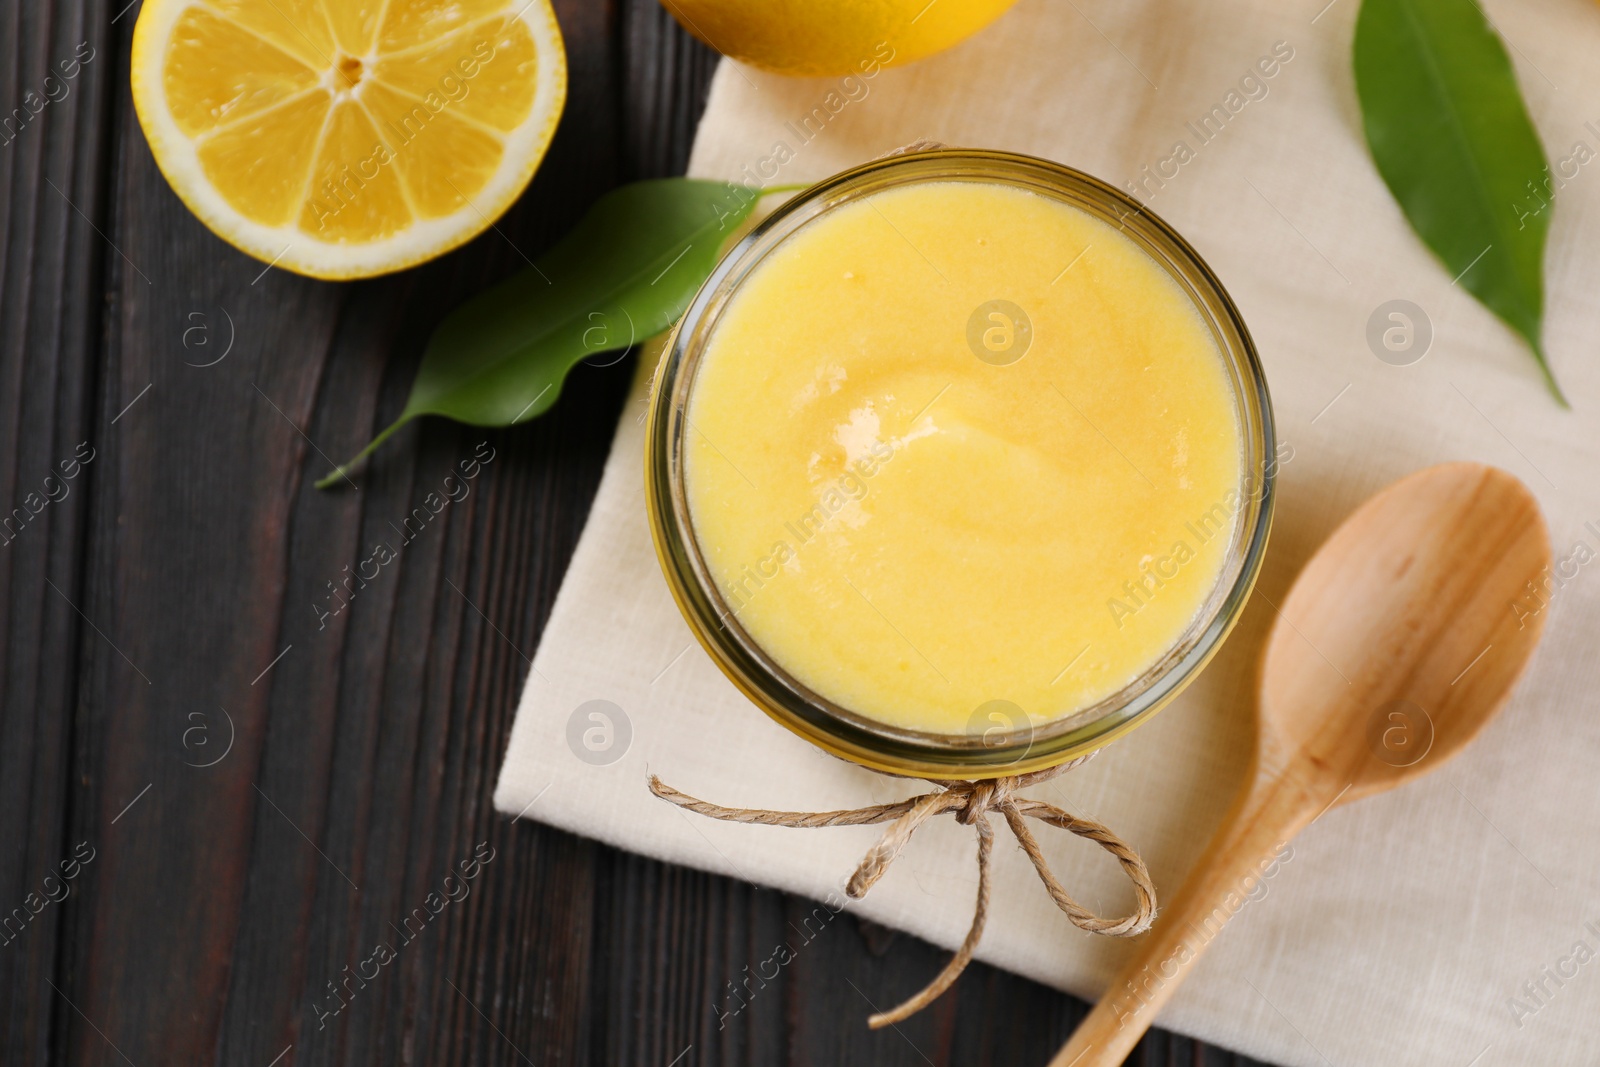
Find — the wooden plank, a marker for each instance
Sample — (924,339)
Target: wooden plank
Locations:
(53,144)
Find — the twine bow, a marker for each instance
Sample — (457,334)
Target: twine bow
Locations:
(971,803)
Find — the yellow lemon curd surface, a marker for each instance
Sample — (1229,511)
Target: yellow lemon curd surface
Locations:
(913,521)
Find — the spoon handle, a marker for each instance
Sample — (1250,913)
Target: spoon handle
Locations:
(1227,876)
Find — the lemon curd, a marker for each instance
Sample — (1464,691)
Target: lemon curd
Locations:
(957,443)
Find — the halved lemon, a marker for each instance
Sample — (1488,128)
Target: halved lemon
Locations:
(346,138)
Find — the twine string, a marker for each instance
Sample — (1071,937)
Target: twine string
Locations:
(971,803)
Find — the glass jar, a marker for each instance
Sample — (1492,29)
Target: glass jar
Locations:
(1024,747)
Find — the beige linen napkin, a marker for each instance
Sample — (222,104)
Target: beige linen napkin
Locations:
(1453,919)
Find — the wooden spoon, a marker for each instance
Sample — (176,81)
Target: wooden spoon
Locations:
(1395,646)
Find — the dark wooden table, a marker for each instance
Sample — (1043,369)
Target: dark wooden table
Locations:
(247,799)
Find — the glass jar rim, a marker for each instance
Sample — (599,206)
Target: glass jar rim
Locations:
(868,741)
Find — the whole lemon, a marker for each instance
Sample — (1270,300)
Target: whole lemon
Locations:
(831,37)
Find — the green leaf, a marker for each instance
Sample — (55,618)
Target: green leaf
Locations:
(1453,141)
(624,273)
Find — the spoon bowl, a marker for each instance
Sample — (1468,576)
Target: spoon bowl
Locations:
(1396,645)
(1401,629)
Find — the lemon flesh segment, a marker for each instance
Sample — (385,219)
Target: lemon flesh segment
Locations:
(206,92)
(355,192)
(298,27)
(258,164)
(441,158)
(354,24)
(487,71)
(348,138)
(409,25)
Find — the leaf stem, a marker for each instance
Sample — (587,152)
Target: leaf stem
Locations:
(343,470)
